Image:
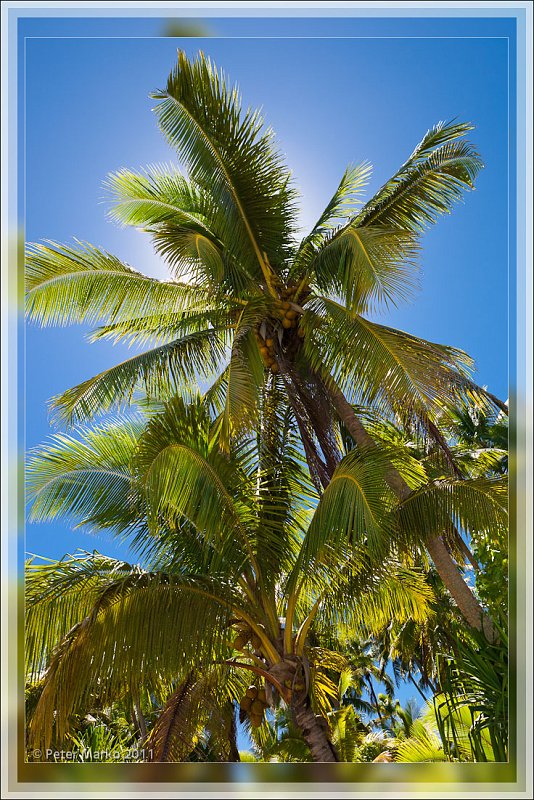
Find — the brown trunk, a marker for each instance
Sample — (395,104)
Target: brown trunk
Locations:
(458,588)
(315,731)
(447,569)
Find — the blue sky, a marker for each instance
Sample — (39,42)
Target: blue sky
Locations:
(332,101)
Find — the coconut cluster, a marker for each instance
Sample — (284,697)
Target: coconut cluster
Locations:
(245,636)
(267,351)
(253,704)
(271,334)
(286,314)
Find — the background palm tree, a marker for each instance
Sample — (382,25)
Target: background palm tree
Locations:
(246,573)
(241,575)
(288,314)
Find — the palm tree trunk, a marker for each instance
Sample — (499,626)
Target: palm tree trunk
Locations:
(458,588)
(447,569)
(315,732)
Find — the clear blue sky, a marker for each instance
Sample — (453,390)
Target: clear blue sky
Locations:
(331,102)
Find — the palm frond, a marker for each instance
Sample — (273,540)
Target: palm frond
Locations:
(178,727)
(388,370)
(233,155)
(244,377)
(473,506)
(84,284)
(435,177)
(158,195)
(189,229)
(164,327)
(186,477)
(158,372)
(367,601)
(423,745)
(343,204)
(367,266)
(87,477)
(142,628)
(353,507)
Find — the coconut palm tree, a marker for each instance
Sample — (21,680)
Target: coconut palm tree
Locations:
(250,304)
(245,571)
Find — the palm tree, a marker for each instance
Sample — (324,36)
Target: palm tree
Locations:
(249,305)
(245,573)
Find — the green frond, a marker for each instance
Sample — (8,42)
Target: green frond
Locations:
(346,732)
(367,266)
(84,284)
(58,596)
(473,506)
(343,204)
(369,601)
(186,477)
(391,371)
(178,727)
(87,477)
(143,629)
(231,153)
(188,227)
(244,377)
(370,259)
(435,177)
(423,745)
(160,371)
(215,396)
(163,327)
(159,194)
(354,511)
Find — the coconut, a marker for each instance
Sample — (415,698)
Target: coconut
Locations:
(252,692)
(287,323)
(256,641)
(262,697)
(240,641)
(256,720)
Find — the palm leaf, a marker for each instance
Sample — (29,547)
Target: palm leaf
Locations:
(164,327)
(230,153)
(84,284)
(186,477)
(158,372)
(435,176)
(143,627)
(180,723)
(343,204)
(473,506)
(187,226)
(244,377)
(386,369)
(160,194)
(87,477)
(366,266)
